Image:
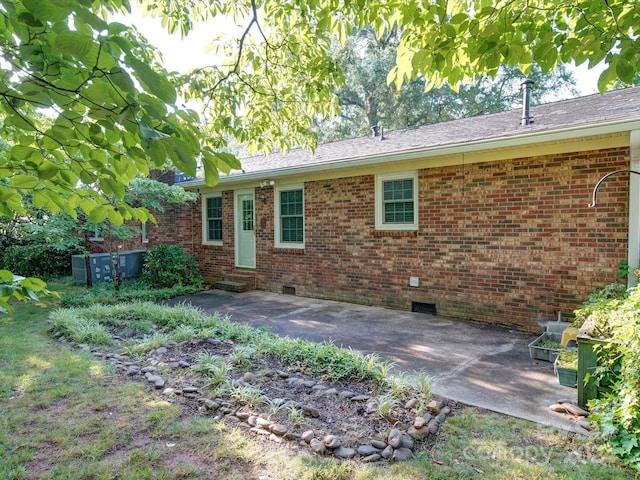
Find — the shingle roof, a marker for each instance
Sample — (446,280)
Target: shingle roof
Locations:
(584,111)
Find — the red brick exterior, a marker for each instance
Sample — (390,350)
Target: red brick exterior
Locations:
(174,227)
(498,242)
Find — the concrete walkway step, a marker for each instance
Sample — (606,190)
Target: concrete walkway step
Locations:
(233,286)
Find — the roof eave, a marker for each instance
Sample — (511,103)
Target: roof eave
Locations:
(520,139)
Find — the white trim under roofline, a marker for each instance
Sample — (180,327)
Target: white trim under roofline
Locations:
(530,138)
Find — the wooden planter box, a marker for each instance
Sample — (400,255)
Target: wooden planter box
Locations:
(538,350)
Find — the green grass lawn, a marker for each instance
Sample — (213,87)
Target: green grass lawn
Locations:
(65,415)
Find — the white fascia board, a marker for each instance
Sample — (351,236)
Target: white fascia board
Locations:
(520,139)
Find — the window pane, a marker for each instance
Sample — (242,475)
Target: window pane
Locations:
(291,216)
(398,201)
(247,215)
(214,218)
(292,229)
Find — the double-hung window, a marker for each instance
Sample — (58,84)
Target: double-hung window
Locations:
(397,201)
(212,219)
(289,216)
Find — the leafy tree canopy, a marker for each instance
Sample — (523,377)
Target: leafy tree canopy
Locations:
(366,99)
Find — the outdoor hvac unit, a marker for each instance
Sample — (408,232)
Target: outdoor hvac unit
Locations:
(101,269)
(78,268)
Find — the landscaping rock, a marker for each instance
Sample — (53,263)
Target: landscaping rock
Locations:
(387,452)
(331,441)
(418,433)
(360,398)
(420,422)
(278,429)
(190,389)
(433,426)
(433,407)
(262,422)
(413,403)
(317,446)
(395,438)
(372,458)
(211,404)
(366,450)
(440,418)
(344,452)
(310,411)
(402,454)
(406,442)
(346,394)
(307,436)
(379,444)
(244,416)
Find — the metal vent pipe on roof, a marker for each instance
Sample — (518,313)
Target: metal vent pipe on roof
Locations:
(526,86)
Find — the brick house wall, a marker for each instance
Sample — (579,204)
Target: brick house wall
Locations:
(499,242)
(174,227)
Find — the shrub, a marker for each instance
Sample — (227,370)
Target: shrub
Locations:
(38,260)
(169,265)
(615,316)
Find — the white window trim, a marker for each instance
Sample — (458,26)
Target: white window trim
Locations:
(144,233)
(276,216)
(379,199)
(94,236)
(205,237)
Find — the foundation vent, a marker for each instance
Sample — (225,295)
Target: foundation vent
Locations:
(288,290)
(422,307)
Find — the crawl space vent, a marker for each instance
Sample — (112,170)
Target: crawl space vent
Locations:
(288,290)
(422,307)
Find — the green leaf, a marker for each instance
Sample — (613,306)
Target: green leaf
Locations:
(153,81)
(47,170)
(6,276)
(23,181)
(98,214)
(78,45)
(625,71)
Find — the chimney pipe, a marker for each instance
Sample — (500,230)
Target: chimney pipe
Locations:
(526,86)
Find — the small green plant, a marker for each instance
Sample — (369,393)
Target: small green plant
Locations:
(385,405)
(246,394)
(549,343)
(183,332)
(80,328)
(424,386)
(400,385)
(242,355)
(568,358)
(148,343)
(274,406)
(213,366)
(296,415)
(169,265)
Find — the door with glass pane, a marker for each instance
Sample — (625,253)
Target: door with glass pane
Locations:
(245,235)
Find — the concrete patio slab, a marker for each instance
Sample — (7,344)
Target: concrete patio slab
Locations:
(475,364)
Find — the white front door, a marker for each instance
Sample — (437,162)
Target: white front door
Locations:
(245,236)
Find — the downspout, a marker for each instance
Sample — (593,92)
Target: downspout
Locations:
(633,253)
